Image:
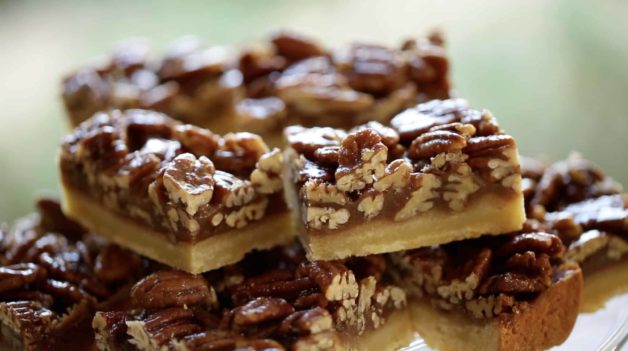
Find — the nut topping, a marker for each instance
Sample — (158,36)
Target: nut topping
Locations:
(433,157)
(373,69)
(436,142)
(485,276)
(19,275)
(114,263)
(335,280)
(295,47)
(190,181)
(362,157)
(197,183)
(172,288)
(313,321)
(262,309)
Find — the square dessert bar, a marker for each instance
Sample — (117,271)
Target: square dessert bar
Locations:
(290,79)
(507,292)
(176,193)
(272,300)
(587,209)
(443,172)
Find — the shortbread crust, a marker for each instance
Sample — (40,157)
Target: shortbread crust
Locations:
(210,253)
(488,214)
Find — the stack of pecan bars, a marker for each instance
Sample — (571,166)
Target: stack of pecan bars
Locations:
(392,209)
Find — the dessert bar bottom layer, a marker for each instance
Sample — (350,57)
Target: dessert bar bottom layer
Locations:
(396,333)
(211,253)
(490,213)
(544,322)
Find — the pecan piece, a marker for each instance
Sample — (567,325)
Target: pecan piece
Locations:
(295,47)
(142,125)
(484,122)
(307,140)
(413,122)
(312,321)
(260,310)
(30,319)
(389,136)
(361,160)
(190,180)
(260,345)
(435,142)
(211,340)
(114,263)
(52,219)
(45,299)
(512,283)
(488,145)
(373,69)
(19,275)
(327,156)
(162,326)
(239,152)
(334,279)
(172,288)
(531,263)
(63,290)
(261,115)
(197,140)
(289,289)
(537,242)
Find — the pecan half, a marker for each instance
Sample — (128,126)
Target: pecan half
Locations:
(239,152)
(373,69)
(260,310)
(413,122)
(114,263)
(335,280)
(435,142)
(538,242)
(172,288)
(19,275)
(165,325)
(197,140)
(295,47)
(307,140)
(312,321)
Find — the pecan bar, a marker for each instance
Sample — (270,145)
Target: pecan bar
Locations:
(576,200)
(271,300)
(53,276)
(510,292)
(289,80)
(196,83)
(176,193)
(443,172)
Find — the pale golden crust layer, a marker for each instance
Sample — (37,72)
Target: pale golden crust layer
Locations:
(213,252)
(488,214)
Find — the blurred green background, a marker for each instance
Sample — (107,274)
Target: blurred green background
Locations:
(555,73)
